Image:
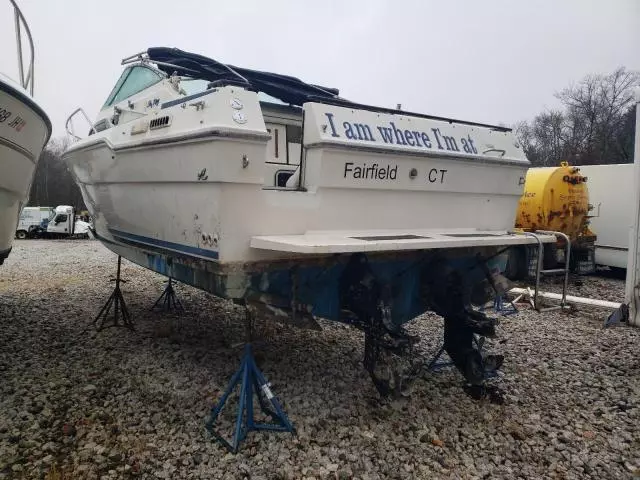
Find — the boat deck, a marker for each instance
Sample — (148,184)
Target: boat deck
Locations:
(327,242)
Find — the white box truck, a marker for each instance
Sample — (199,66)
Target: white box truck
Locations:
(611,194)
(33,217)
(61,224)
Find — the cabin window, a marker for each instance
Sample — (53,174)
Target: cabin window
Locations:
(193,85)
(277,146)
(294,134)
(276,141)
(61,218)
(133,80)
(294,144)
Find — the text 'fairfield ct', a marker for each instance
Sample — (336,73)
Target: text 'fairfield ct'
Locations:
(392,135)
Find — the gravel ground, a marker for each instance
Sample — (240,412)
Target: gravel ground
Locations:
(124,405)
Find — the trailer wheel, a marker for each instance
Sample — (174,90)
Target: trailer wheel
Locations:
(21,234)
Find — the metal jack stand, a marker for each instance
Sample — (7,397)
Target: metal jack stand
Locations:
(116,300)
(253,382)
(169,299)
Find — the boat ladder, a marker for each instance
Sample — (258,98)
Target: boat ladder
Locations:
(540,271)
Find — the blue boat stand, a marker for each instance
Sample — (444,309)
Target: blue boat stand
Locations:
(252,383)
(499,306)
(435,365)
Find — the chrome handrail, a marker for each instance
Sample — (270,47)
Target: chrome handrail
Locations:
(133,58)
(25,82)
(71,131)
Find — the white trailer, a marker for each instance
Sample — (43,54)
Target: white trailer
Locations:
(632,293)
(611,192)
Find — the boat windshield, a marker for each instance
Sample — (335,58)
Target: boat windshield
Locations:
(133,80)
(193,85)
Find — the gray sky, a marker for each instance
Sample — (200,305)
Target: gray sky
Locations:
(488,61)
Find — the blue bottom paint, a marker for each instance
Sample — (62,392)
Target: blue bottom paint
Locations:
(318,286)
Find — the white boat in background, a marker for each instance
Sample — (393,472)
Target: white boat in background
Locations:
(24,131)
(262,188)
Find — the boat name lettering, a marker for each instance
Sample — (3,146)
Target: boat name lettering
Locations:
(18,123)
(388,172)
(373,172)
(392,135)
(436,175)
(4,114)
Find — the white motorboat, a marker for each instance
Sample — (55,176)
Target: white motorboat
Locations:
(24,131)
(262,188)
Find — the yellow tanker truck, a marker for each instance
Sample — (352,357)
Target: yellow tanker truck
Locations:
(557,199)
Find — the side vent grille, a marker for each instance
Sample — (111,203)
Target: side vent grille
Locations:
(160,122)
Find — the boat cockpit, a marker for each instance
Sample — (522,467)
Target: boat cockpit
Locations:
(164,77)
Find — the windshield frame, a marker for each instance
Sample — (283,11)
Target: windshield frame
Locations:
(110,101)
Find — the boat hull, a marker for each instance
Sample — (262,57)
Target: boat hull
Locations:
(160,197)
(190,198)
(199,231)
(312,284)
(24,131)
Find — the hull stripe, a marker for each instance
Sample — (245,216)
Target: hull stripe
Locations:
(164,244)
(18,148)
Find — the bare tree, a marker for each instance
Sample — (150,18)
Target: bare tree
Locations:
(53,184)
(594,126)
